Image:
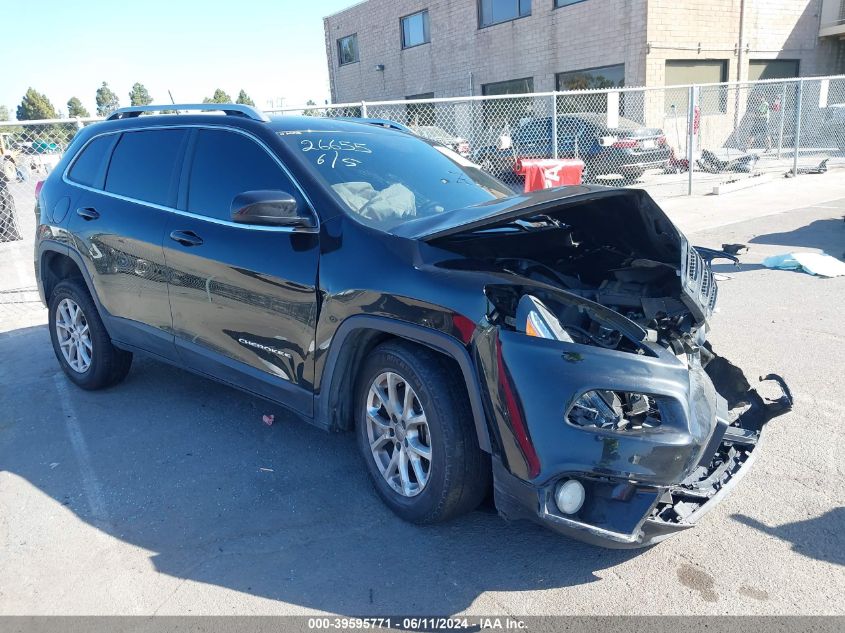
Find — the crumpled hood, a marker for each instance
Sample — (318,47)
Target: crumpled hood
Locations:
(489,214)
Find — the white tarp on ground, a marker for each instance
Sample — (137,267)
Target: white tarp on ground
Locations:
(813,263)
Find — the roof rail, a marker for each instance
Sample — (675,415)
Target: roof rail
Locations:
(233,109)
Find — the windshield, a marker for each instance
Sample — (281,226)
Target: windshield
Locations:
(388,179)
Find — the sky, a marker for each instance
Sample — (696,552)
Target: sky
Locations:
(273,49)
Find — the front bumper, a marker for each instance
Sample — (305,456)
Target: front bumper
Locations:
(639,489)
(626,514)
(628,163)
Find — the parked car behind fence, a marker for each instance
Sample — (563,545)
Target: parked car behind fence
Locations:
(626,149)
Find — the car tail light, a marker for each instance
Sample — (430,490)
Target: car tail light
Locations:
(38,186)
(625,143)
(661,140)
(463,148)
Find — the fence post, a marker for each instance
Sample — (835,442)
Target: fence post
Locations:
(364,109)
(782,117)
(554,125)
(690,136)
(799,104)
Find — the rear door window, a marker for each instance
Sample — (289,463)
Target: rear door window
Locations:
(87,168)
(144,165)
(226,164)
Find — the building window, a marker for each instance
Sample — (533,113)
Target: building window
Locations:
(420,113)
(496,11)
(592,78)
(566,3)
(415,29)
(503,113)
(683,72)
(347,49)
(772,69)
(599,78)
(512,87)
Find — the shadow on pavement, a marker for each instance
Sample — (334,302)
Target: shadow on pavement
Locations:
(820,538)
(827,235)
(733,269)
(188,471)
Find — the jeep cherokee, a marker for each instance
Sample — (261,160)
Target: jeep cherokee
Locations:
(552,345)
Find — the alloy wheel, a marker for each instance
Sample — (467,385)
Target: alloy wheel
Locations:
(398,434)
(74,335)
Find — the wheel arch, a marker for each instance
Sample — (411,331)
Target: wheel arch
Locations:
(351,344)
(56,262)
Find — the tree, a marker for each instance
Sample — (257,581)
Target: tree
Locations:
(310,111)
(245,99)
(36,105)
(107,101)
(139,96)
(220,96)
(4,113)
(75,109)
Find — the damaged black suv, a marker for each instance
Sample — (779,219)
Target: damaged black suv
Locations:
(551,345)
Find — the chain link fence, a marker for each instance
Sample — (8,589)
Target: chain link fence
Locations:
(671,141)
(29,150)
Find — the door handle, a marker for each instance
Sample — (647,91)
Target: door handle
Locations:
(87,213)
(186,238)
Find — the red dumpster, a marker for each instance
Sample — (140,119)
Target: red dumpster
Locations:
(545,173)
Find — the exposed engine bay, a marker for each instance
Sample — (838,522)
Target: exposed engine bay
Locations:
(628,259)
(612,273)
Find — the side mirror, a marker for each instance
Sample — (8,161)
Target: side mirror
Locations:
(270,208)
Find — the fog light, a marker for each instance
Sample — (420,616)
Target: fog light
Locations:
(569,496)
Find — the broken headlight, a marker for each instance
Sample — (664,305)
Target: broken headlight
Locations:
(535,319)
(615,411)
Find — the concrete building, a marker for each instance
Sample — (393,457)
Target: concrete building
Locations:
(396,49)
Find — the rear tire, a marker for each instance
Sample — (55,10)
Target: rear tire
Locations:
(80,341)
(456,476)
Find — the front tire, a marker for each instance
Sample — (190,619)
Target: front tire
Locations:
(416,435)
(80,341)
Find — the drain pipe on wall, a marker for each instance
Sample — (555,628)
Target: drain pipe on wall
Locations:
(739,59)
(740,46)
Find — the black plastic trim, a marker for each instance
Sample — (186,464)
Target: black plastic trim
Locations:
(437,341)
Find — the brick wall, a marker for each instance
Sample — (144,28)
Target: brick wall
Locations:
(461,57)
(785,29)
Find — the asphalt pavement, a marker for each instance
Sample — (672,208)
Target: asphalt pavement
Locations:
(168,494)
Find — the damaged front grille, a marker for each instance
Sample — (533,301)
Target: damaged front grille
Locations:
(698,284)
(679,504)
